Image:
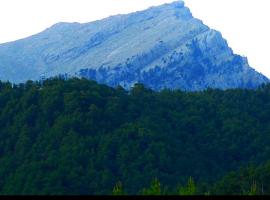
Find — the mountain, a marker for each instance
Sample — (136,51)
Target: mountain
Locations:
(161,47)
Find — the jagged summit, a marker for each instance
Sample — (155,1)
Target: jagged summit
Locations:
(162,47)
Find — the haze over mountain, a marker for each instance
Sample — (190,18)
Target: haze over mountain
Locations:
(162,47)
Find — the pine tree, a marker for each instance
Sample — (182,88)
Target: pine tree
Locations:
(189,189)
(253,189)
(118,189)
(155,188)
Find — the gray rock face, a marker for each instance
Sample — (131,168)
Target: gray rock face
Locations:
(162,47)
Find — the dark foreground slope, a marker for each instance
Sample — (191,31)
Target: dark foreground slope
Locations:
(78,137)
(161,47)
(249,180)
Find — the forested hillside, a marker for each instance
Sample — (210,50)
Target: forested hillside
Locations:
(78,137)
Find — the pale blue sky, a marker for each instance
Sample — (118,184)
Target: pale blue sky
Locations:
(244,23)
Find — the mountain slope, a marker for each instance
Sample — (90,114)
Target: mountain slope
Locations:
(162,47)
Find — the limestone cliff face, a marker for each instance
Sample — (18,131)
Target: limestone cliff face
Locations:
(162,47)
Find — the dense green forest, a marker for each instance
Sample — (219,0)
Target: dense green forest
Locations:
(78,137)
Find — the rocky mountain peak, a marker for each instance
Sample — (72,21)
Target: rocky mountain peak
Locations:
(162,47)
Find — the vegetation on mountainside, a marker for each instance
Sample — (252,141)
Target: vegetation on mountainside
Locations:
(78,137)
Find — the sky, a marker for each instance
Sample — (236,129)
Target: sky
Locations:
(243,23)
